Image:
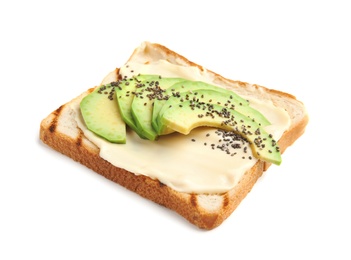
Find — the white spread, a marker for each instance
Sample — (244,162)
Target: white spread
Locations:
(165,69)
(186,163)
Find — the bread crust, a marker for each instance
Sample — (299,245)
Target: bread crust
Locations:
(193,207)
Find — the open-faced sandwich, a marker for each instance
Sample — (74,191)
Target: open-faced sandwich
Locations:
(176,133)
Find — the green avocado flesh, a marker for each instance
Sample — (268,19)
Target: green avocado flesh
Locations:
(191,114)
(189,85)
(101,115)
(220,97)
(148,91)
(153,106)
(125,93)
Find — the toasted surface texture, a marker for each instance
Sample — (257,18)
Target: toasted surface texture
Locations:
(59,130)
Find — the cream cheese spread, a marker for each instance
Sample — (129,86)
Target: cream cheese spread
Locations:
(191,163)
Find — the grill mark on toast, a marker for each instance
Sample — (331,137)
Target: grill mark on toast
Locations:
(56,113)
(79,139)
(193,200)
(225,200)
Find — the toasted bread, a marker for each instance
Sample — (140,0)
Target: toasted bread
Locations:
(60,131)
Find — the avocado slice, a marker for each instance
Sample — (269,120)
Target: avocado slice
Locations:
(212,96)
(192,114)
(159,102)
(125,92)
(189,85)
(151,89)
(101,114)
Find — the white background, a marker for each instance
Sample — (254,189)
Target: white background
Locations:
(54,208)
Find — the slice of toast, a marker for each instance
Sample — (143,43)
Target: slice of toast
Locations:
(60,131)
